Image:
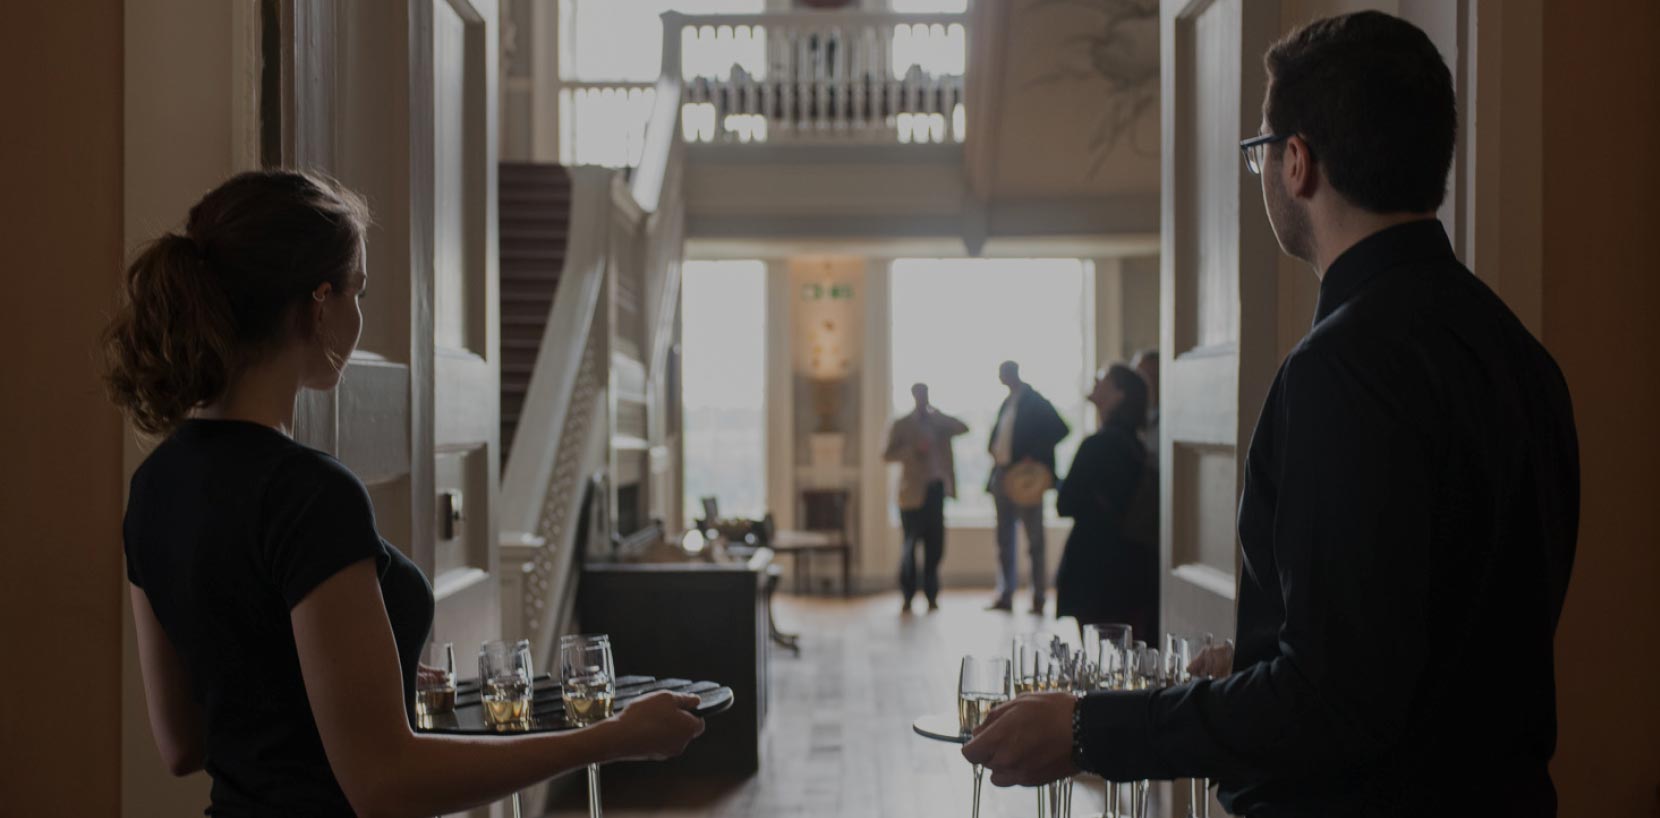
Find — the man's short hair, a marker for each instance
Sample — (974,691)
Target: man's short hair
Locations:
(1373,99)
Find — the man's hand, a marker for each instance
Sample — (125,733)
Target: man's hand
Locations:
(1213,662)
(1026,742)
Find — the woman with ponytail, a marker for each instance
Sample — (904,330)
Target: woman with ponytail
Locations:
(278,633)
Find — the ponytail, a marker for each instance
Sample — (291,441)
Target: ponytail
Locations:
(171,346)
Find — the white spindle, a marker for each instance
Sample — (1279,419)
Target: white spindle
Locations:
(784,79)
(804,74)
(769,109)
(673,24)
(752,103)
(860,58)
(821,75)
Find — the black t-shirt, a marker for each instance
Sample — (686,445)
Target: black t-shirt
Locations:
(229,525)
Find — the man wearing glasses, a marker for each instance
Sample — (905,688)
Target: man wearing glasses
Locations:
(1411,497)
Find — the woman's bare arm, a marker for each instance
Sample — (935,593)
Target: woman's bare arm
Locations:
(175,720)
(350,664)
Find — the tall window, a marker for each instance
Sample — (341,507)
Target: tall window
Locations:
(723,388)
(956,320)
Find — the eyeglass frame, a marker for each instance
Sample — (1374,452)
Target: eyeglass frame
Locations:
(1247,146)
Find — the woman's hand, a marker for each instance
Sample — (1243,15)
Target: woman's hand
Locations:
(657,726)
(429,675)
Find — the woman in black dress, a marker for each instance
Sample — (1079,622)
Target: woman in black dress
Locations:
(1109,570)
(278,634)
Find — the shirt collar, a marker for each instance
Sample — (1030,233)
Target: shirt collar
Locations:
(1390,247)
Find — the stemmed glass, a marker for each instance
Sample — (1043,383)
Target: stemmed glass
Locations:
(1075,676)
(588,685)
(504,675)
(1107,653)
(981,685)
(1182,649)
(1033,665)
(1146,671)
(1103,642)
(1195,645)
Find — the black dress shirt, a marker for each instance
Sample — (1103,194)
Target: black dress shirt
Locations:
(1408,524)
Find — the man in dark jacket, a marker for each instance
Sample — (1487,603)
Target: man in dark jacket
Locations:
(1023,438)
(1411,497)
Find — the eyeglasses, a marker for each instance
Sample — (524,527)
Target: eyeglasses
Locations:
(1256,148)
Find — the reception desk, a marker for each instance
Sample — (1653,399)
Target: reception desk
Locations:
(696,620)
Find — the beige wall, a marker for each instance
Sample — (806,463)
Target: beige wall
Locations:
(179,143)
(1601,292)
(1045,127)
(1138,324)
(60,589)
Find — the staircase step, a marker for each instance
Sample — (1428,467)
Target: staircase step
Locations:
(534,213)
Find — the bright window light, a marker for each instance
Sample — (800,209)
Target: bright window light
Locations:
(936,50)
(956,320)
(929,6)
(622,40)
(723,391)
(604,126)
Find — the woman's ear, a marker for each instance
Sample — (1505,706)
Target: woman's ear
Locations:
(315,309)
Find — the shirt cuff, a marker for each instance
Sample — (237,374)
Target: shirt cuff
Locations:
(1117,733)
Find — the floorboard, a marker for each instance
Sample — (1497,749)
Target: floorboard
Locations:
(838,739)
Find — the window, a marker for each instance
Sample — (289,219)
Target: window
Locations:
(613,40)
(723,389)
(610,53)
(955,321)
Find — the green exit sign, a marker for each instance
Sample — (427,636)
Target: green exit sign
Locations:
(816,292)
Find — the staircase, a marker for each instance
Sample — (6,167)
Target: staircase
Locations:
(535,212)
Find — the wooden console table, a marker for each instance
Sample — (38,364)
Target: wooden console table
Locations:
(695,620)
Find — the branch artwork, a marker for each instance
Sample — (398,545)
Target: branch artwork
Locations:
(1122,52)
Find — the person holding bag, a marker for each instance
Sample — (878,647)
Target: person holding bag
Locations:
(1023,456)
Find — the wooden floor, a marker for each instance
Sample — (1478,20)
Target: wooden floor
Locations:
(838,738)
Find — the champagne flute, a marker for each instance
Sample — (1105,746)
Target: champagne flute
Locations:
(1181,650)
(588,685)
(1107,655)
(1204,803)
(1112,647)
(1097,637)
(504,675)
(981,685)
(1076,678)
(1032,665)
(1146,672)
